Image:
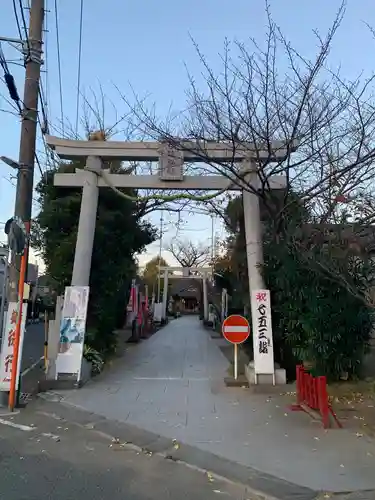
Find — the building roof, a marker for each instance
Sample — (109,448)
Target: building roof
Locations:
(186,287)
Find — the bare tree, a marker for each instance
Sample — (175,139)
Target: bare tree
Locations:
(250,103)
(101,121)
(189,254)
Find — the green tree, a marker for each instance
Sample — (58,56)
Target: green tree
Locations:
(120,234)
(150,274)
(317,318)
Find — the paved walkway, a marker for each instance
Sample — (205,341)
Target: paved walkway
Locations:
(172,385)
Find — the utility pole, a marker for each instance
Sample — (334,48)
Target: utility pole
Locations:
(25,174)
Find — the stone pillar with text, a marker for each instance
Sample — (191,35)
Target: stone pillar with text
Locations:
(254,255)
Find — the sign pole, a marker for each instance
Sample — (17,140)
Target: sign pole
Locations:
(235,361)
(236,330)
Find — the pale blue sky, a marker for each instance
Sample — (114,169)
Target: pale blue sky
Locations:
(146,44)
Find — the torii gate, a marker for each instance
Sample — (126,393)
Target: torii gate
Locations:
(204,273)
(170,177)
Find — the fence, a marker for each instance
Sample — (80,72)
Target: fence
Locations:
(312,396)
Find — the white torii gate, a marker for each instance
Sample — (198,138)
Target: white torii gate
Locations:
(171,177)
(204,272)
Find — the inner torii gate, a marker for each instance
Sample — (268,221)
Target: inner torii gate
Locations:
(204,273)
(171,177)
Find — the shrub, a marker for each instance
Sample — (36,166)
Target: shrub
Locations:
(323,323)
(95,358)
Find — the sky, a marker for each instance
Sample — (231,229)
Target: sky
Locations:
(144,47)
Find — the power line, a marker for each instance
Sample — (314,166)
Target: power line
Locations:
(24,24)
(79,64)
(13,93)
(59,66)
(46,61)
(9,81)
(17,19)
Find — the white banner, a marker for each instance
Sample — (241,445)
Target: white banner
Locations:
(262,332)
(72,330)
(158,311)
(6,355)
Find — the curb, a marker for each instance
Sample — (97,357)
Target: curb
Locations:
(258,483)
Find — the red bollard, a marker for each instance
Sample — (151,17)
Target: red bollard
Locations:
(299,384)
(323,400)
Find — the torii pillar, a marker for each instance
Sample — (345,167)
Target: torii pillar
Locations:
(253,237)
(86,224)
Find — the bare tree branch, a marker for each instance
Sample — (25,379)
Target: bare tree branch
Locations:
(249,104)
(189,254)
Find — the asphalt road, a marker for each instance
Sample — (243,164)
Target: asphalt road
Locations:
(57,459)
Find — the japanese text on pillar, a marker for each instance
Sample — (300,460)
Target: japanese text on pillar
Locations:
(262,332)
(264,341)
(10,336)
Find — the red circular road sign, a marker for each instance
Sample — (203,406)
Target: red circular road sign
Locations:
(236,329)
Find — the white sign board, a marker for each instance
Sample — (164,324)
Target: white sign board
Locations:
(72,330)
(262,332)
(158,312)
(7,345)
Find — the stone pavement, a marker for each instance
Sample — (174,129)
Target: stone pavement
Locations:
(172,385)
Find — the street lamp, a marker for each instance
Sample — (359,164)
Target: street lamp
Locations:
(11,163)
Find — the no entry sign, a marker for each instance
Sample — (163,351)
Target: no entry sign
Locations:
(236,329)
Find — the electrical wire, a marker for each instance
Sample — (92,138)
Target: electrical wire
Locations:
(59,66)
(13,92)
(46,92)
(79,66)
(9,81)
(17,19)
(24,23)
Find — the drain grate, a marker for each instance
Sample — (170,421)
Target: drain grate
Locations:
(25,397)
